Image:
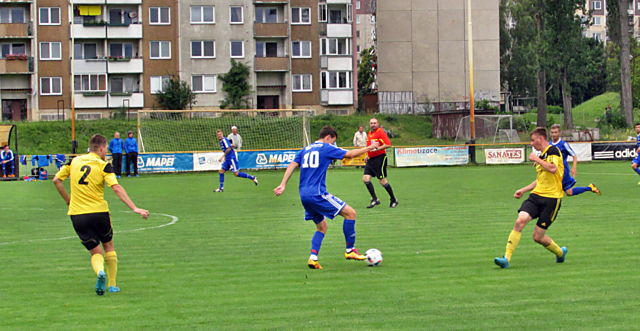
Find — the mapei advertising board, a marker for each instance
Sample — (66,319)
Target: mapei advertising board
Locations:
(164,162)
(427,156)
(266,159)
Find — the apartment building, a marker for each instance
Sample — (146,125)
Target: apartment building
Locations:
(598,27)
(365,24)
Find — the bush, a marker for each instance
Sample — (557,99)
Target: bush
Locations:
(555,110)
(613,119)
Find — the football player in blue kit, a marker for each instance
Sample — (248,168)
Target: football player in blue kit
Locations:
(567,180)
(230,162)
(636,161)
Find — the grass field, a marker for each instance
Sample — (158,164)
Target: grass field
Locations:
(237,260)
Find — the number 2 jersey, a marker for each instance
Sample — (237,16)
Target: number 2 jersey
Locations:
(88,174)
(314,161)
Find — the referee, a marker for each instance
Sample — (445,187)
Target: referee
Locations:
(377,163)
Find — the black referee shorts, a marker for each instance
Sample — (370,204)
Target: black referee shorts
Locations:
(542,208)
(376,166)
(93,228)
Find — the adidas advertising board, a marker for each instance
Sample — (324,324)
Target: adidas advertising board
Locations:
(615,151)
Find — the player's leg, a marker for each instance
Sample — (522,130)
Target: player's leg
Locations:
(547,216)
(111,261)
(135,164)
(223,169)
(236,172)
(349,230)
(369,172)
(318,236)
(13,170)
(387,186)
(4,169)
(634,165)
(528,211)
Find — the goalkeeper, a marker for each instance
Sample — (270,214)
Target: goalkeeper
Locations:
(230,162)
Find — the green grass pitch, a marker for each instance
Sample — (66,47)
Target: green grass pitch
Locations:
(237,260)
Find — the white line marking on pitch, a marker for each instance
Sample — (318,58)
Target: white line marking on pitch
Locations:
(607,174)
(174,220)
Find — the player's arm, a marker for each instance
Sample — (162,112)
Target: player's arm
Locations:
(574,170)
(60,187)
(124,197)
(285,179)
(525,189)
(548,166)
(359,151)
(386,143)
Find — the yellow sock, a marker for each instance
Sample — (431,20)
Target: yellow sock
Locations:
(555,249)
(97,262)
(514,239)
(111,260)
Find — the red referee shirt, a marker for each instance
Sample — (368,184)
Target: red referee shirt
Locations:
(381,137)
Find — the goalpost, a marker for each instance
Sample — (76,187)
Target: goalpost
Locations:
(195,130)
(499,128)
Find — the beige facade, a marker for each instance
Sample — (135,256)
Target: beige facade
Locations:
(598,27)
(419,62)
(365,25)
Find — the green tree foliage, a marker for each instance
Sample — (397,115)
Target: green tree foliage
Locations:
(367,70)
(235,85)
(177,95)
(518,43)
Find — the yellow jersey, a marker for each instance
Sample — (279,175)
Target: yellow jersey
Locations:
(550,185)
(88,173)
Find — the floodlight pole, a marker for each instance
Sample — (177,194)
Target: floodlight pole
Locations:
(472,150)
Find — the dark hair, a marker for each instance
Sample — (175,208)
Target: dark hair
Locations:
(96,141)
(130,132)
(5,146)
(328,131)
(637,124)
(540,132)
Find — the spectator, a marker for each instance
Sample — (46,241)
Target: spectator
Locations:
(131,149)
(360,139)
(235,139)
(116,146)
(8,163)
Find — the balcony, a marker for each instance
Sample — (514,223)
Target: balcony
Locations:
(271,1)
(271,30)
(339,30)
(118,100)
(124,2)
(90,66)
(82,31)
(132,66)
(90,99)
(15,66)
(338,2)
(336,97)
(89,2)
(271,64)
(15,30)
(341,63)
(133,31)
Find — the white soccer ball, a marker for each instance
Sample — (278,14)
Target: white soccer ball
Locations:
(373,257)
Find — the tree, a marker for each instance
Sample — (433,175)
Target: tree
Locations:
(176,95)
(626,95)
(542,75)
(367,70)
(235,85)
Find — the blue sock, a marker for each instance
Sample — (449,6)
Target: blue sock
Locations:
(580,190)
(221,181)
(637,170)
(316,242)
(349,229)
(245,175)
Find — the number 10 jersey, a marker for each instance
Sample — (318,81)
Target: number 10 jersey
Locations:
(314,161)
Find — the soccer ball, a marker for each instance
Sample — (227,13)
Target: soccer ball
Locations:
(373,257)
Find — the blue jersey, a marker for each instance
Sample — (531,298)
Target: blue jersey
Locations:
(566,151)
(314,161)
(224,145)
(638,141)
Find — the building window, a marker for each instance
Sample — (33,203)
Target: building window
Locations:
(357,4)
(88,83)
(597,20)
(203,49)
(301,49)
(11,15)
(322,12)
(160,50)
(237,49)
(13,49)
(300,15)
(597,5)
(302,83)
(50,51)
(203,15)
(49,15)
(597,36)
(159,15)
(121,50)
(203,83)
(266,49)
(266,15)
(235,15)
(50,85)
(358,19)
(358,49)
(335,46)
(85,51)
(159,83)
(358,33)
(335,80)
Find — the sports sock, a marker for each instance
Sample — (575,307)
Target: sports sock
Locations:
(390,191)
(580,190)
(555,249)
(221,181)
(349,229)
(97,262)
(514,239)
(245,175)
(316,242)
(637,170)
(111,260)
(372,190)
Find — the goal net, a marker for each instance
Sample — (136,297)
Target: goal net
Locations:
(492,128)
(195,130)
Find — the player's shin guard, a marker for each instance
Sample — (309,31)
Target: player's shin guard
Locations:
(514,239)
(349,229)
(555,249)
(245,175)
(390,191)
(637,170)
(111,260)
(580,190)
(221,181)
(372,190)
(97,262)
(316,242)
